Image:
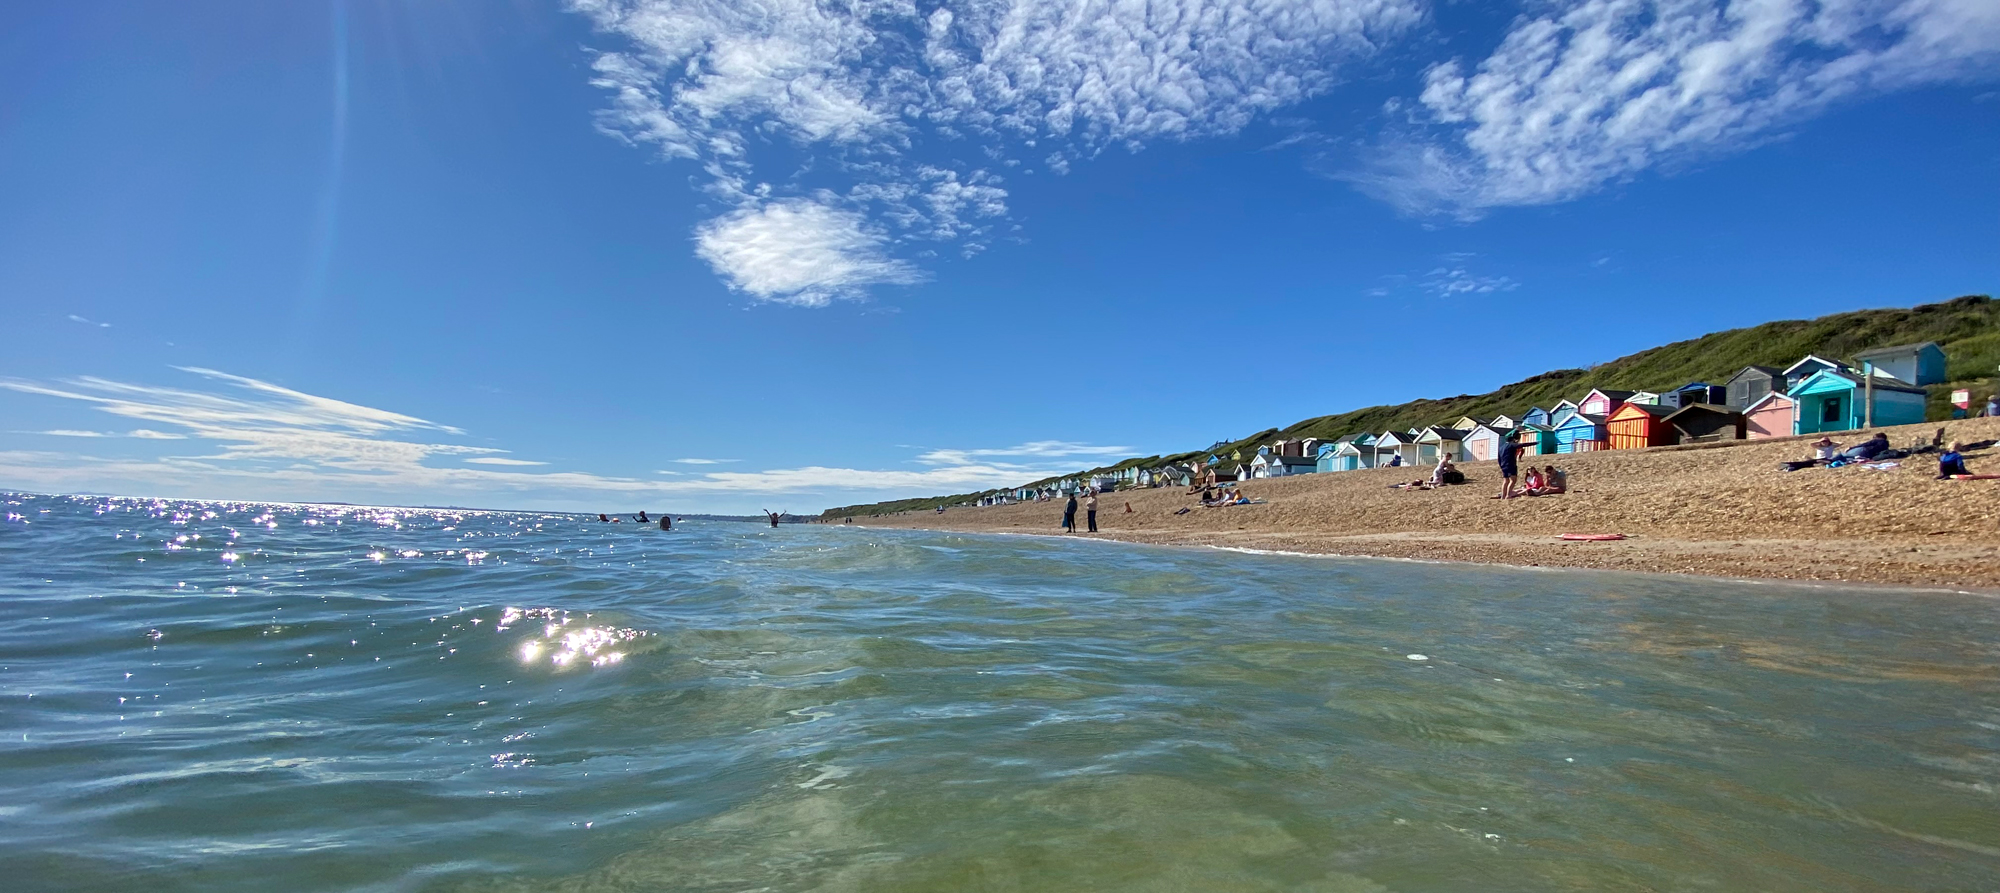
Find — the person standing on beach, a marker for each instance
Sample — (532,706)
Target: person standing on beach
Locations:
(1069,515)
(1090,510)
(1509,472)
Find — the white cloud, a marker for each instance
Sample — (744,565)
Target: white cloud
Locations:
(798,251)
(68,432)
(255,440)
(1589,92)
(721,82)
(75,318)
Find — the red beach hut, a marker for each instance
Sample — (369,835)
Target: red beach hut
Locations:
(1636,425)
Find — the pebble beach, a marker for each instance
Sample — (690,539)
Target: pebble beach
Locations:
(1724,510)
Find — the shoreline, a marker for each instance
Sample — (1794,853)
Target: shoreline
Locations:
(1723,511)
(1911,588)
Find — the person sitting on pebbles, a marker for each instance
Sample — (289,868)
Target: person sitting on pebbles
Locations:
(1824,449)
(1951,462)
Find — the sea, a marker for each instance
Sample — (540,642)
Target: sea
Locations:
(223,696)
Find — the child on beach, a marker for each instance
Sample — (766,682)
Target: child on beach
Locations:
(1531,483)
(1951,462)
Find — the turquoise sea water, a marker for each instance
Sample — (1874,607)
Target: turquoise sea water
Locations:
(206,696)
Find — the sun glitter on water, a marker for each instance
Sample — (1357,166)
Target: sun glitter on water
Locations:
(562,644)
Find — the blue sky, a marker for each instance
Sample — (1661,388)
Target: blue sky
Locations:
(703,256)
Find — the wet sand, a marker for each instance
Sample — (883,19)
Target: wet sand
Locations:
(1716,510)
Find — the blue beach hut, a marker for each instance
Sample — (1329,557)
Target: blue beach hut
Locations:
(1535,416)
(1582,433)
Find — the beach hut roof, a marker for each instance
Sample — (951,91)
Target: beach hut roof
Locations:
(1768,371)
(1813,358)
(1853,379)
(1898,350)
(1502,430)
(1652,409)
(1774,395)
(1562,405)
(1583,418)
(1297,461)
(1616,396)
(1441,432)
(1701,408)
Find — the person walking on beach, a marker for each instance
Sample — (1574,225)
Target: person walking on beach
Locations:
(1090,510)
(1069,515)
(1509,472)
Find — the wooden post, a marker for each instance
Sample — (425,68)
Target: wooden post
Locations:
(1867,394)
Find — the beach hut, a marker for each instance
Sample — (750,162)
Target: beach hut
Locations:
(1504,421)
(1697,392)
(1260,467)
(1561,412)
(1705,422)
(1635,426)
(1534,416)
(1917,364)
(1483,442)
(1350,453)
(1775,415)
(1647,397)
(1466,423)
(1287,466)
(1536,440)
(1834,401)
(1751,384)
(1602,401)
(1581,433)
(1807,368)
(1392,444)
(1439,440)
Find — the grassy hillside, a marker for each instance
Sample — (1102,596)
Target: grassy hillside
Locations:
(1968,328)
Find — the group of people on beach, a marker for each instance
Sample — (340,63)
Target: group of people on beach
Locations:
(1547,481)
(1876,452)
(1090,512)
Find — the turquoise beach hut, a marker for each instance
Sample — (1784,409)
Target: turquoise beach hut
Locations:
(1831,400)
(1582,433)
(1536,440)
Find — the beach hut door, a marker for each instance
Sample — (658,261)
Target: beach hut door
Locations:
(1829,411)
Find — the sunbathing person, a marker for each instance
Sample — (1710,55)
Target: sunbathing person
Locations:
(1951,462)
(1866,450)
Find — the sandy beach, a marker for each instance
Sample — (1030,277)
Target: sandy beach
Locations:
(1721,510)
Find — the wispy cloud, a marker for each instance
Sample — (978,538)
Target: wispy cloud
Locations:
(1447,282)
(252,439)
(1581,93)
(740,88)
(75,318)
(1040,449)
(1453,277)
